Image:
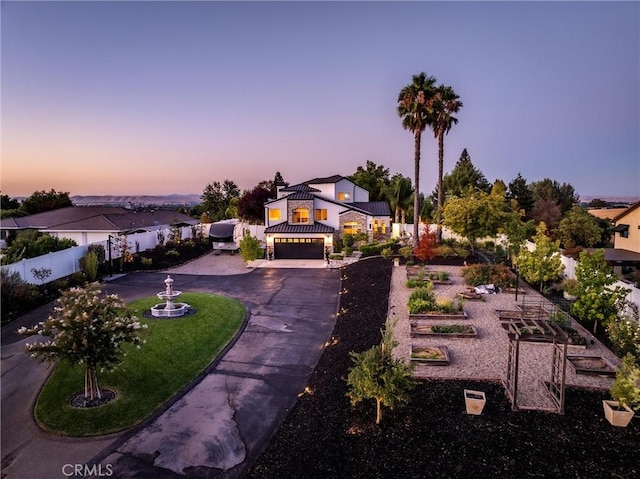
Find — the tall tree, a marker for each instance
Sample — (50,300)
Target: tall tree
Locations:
(563,195)
(415,106)
(579,228)
(373,178)
(216,199)
(250,206)
(8,203)
(41,201)
(464,177)
(476,214)
(520,191)
(446,103)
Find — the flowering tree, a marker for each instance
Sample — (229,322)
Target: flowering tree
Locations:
(86,329)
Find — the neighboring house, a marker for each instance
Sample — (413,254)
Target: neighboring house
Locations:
(306,219)
(91,224)
(625,255)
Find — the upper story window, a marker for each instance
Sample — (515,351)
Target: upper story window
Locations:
(300,215)
(321,214)
(274,214)
(343,196)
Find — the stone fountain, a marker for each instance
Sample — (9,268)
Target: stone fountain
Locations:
(169,309)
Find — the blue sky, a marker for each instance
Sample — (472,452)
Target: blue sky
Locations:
(166,97)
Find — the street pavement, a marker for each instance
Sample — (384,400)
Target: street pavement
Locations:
(218,425)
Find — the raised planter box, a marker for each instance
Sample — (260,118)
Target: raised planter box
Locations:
(429,355)
(420,330)
(592,365)
(438,315)
(617,414)
(513,290)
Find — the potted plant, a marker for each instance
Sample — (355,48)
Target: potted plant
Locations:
(569,288)
(625,392)
(474,401)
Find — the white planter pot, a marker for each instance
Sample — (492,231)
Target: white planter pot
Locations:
(474,401)
(617,414)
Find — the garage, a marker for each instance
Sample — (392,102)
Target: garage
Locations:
(298,248)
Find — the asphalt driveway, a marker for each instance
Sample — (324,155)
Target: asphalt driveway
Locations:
(219,426)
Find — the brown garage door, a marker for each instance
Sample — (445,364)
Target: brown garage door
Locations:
(298,248)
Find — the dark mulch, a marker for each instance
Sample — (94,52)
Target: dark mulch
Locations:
(324,436)
(78,400)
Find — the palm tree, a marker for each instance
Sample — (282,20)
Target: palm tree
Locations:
(399,193)
(415,108)
(446,102)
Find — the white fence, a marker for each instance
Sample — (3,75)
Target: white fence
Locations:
(66,262)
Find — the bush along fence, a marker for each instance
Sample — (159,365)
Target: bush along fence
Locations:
(64,263)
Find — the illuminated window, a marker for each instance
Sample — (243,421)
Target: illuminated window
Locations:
(274,214)
(300,215)
(321,214)
(342,196)
(351,228)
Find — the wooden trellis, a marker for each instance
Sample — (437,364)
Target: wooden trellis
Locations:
(534,327)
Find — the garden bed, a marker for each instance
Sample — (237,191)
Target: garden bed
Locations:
(448,331)
(436,315)
(429,355)
(591,365)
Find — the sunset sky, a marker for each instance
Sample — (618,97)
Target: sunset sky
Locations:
(163,97)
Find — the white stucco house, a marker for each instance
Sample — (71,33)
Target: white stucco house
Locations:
(306,219)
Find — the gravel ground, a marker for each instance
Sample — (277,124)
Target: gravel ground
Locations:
(324,436)
(214,264)
(485,357)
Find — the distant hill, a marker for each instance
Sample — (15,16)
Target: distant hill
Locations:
(136,200)
(611,199)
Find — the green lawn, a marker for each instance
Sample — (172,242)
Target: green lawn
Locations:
(176,350)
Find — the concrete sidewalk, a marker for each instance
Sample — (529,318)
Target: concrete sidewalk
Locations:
(221,424)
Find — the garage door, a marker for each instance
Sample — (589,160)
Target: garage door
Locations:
(298,248)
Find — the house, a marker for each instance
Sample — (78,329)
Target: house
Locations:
(91,224)
(307,219)
(625,255)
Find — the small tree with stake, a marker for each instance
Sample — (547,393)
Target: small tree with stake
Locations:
(376,374)
(86,329)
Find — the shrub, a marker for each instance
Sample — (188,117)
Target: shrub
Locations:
(348,240)
(98,250)
(89,264)
(406,252)
(498,275)
(16,295)
(417,283)
(250,248)
(624,333)
(386,253)
(626,387)
(146,262)
(425,292)
(371,249)
(172,253)
(348,251)
(426,248)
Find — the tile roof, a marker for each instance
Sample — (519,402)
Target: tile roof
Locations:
(97,218)
(327,179)
(300,187)
(300,195)
(285,227)
(375,208)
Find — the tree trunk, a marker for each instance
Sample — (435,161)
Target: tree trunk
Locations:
(91,388)
(416,194)
(378,410)
(440,189)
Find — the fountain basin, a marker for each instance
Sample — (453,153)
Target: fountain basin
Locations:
(164,310)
